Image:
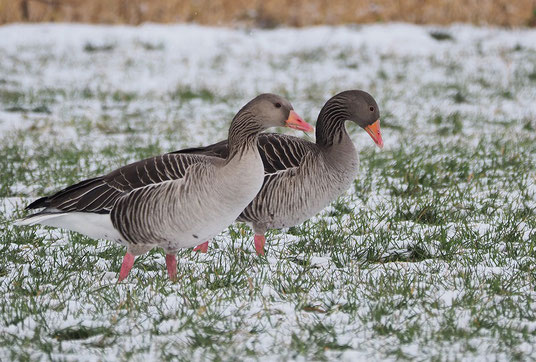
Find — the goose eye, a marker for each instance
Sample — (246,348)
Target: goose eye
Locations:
(278,105)
(371,109)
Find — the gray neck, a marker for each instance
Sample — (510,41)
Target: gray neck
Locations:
(243,133)
(330,127)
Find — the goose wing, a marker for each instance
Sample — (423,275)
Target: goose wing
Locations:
(146,214)
(99,194)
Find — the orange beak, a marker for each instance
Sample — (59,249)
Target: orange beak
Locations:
(296,122)
(374,131)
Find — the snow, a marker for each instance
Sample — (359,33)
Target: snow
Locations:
(51,65)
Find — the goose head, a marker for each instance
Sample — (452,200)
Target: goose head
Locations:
(363,110)
(272,110)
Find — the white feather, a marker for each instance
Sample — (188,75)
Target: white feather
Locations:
(96,226)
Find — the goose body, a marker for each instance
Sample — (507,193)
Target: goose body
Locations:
(184,211)
(171,201)
(296,194)
(301,177)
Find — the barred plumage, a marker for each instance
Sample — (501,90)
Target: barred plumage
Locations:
(172,200)
(100,194)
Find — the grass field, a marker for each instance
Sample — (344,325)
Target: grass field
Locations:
(430,255)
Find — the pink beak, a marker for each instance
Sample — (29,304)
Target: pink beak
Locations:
(296,122)
(374,131)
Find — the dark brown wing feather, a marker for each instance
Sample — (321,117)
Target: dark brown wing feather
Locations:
(99,194)
(278,152)
(220,149)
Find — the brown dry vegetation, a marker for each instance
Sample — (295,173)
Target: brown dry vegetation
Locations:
(271,13)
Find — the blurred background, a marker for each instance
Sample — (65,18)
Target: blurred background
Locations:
(272,13)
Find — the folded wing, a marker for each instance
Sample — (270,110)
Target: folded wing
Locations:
(99,194)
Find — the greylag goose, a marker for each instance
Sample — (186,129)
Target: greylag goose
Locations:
(171,201)
(301,177)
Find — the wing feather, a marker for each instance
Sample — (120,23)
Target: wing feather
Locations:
(99,194)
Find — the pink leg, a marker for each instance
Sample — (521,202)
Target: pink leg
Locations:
(171,263)
(202,247)
(259,244)
(128,261)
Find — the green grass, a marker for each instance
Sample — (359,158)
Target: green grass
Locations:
(430,255)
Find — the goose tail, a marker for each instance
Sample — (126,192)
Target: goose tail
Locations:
(38,218)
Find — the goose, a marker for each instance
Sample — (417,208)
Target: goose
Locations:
(302,177)
(171,201)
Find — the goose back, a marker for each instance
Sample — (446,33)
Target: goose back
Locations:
(300,178)
(278,151)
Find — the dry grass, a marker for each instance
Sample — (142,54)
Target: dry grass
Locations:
(271,13)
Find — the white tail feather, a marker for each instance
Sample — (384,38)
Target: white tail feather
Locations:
(36,219)
(96,226)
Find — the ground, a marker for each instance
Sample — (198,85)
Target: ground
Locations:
(429,255)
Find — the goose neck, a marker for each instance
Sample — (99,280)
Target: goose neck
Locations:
(330,126)
(243,134)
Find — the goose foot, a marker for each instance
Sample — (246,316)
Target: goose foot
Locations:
(128,262)
(202,247)
(171,264)
(259,244)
